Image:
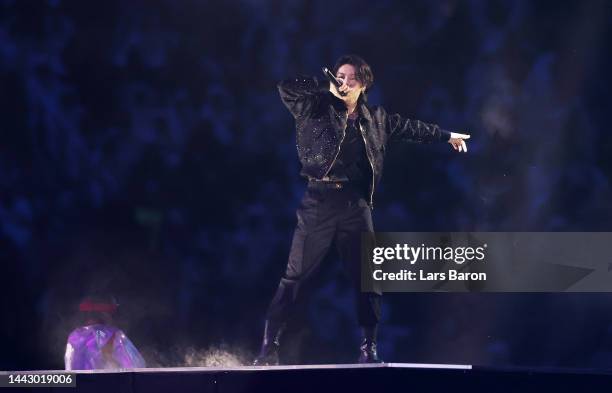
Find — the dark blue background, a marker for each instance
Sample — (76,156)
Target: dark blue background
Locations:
(145,152)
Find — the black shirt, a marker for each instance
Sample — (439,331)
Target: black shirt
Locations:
(352,163)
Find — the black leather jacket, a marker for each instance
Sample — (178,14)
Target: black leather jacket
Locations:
(321,120)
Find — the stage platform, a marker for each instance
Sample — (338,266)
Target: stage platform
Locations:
(375,378)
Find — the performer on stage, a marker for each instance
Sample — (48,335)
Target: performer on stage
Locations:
(341,143)
(99,344)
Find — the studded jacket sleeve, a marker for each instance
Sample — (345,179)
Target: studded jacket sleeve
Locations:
(407,130)
(301,93)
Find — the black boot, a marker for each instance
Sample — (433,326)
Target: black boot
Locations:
(268,354)
(367,349)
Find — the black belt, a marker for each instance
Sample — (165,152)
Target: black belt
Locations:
(327,185)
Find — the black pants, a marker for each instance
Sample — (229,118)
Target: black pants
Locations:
(327,216)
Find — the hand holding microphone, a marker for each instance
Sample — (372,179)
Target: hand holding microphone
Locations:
(337,82)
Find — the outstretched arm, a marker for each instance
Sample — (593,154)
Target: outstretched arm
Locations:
(301,93)
(404,129)
(407,130)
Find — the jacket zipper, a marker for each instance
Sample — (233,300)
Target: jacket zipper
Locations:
(339,147)
(371,165)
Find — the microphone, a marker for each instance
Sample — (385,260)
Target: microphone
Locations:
(333,80)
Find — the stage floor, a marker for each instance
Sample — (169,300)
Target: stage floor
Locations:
(385,377)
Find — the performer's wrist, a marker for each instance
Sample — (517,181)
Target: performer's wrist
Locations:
(445,135)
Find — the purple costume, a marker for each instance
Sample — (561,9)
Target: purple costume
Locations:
(98,347)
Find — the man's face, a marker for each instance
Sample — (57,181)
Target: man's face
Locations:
(350,84)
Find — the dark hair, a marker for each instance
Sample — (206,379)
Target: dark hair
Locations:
(363,73)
